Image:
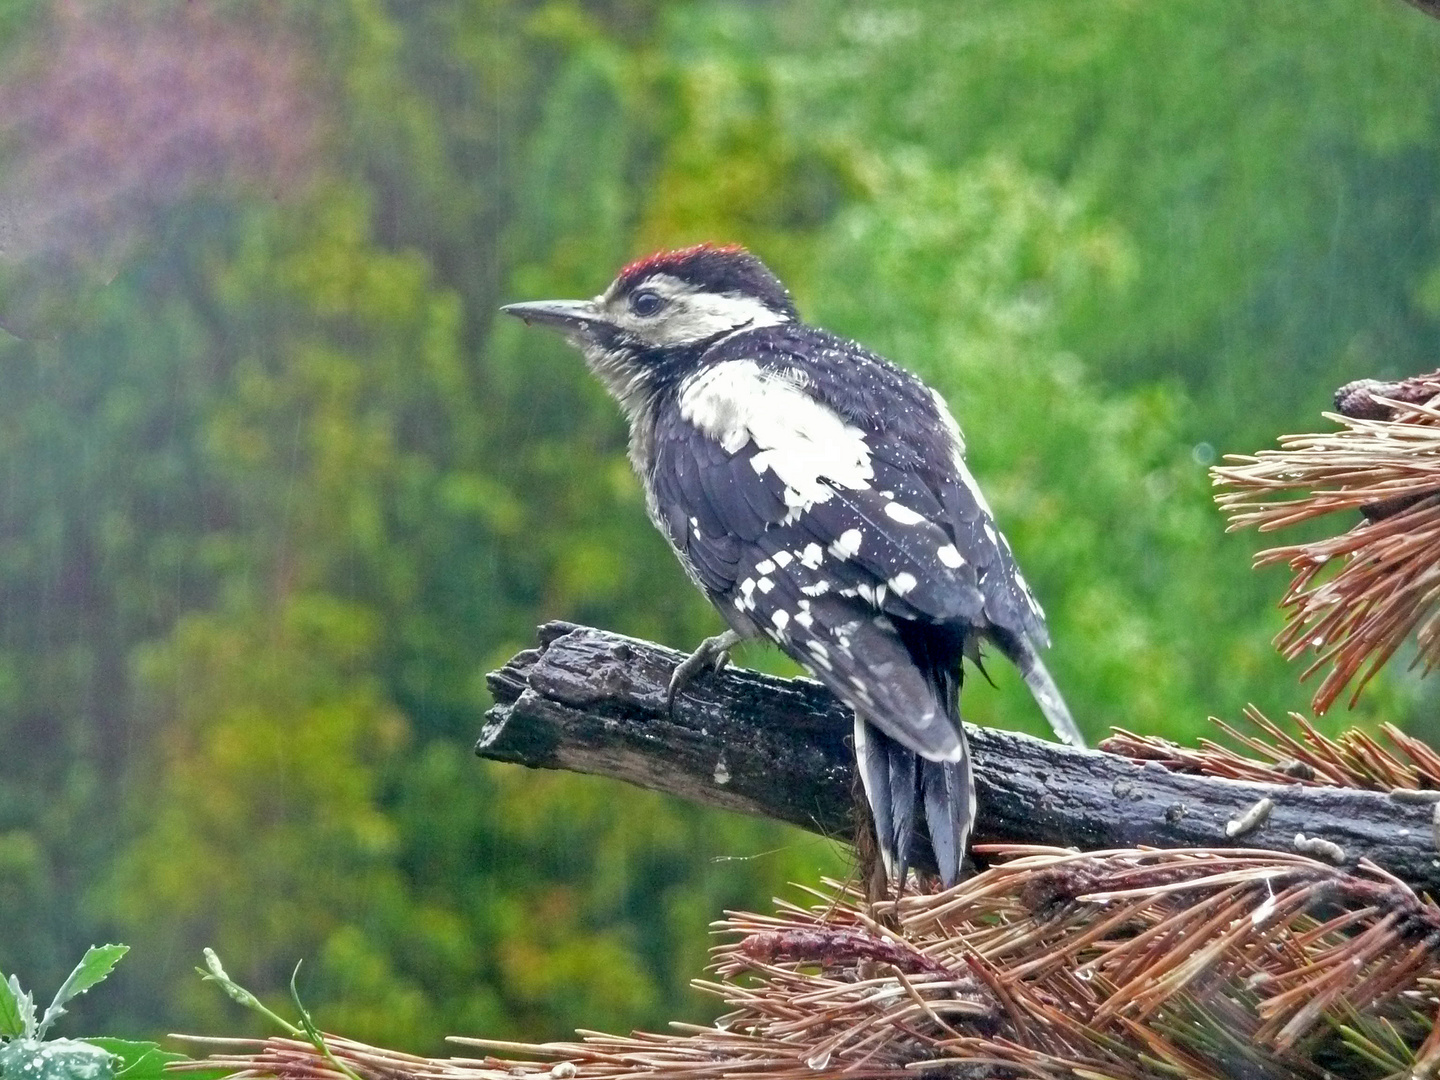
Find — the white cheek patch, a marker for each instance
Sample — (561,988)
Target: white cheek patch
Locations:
(701,316)
(810,448)
(692,315)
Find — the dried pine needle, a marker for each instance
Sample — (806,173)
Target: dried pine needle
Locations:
(1355,597)
(1126,964)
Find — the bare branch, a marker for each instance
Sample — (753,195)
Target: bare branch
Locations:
(593,702)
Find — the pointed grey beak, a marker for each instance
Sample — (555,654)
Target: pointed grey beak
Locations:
(568,315)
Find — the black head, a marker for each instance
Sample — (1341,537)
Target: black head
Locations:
(662,310)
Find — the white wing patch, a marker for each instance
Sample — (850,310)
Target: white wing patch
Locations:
(808,447)
(902,514)
(969,481)
(903,582)
(958,453)
(848,546)
(950,556)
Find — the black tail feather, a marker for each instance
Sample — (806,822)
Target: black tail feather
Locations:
(1022,654)
(901,787)
(949,794)
(872,760)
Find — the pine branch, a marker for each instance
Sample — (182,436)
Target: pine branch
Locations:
(593,702)
(1357,759)
(1385,464)
(1125,964)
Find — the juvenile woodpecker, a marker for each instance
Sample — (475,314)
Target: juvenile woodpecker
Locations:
(818,495)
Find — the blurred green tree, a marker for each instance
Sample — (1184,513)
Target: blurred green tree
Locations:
(278,495)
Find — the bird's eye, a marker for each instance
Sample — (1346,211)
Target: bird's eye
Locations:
(646,303)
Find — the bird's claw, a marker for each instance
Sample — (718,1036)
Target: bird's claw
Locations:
(712,653)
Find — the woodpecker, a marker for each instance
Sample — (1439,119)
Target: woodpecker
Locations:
(818,495)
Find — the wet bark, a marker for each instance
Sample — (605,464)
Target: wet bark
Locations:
(594,702)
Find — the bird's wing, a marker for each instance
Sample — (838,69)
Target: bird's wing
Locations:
(942,482)
(771,575)
(822,536)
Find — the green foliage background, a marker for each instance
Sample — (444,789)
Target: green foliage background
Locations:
(275,497)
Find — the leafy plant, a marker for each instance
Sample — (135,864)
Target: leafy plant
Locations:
(24,1052)
(17,1007)
(214,971)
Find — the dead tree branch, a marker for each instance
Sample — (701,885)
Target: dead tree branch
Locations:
(593,702)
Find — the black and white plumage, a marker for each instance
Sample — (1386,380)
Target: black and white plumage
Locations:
(818,495)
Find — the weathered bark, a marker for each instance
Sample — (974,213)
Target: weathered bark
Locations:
(593,702)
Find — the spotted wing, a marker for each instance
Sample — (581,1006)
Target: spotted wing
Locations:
(774,577)
(830,570)
(913,448)
(956,533)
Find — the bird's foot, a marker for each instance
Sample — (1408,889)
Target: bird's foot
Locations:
(712,653)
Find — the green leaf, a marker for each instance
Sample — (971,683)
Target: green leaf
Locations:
(214,971)
(12,1026)
(98,962)
(313,1032)
(147,1061)
(17,1010)
(307,1022)
(60,1059)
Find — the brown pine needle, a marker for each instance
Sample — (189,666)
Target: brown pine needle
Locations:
(1355,597)
(1122,964)
(1356,759)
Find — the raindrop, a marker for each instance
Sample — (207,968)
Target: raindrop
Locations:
(1261,914)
